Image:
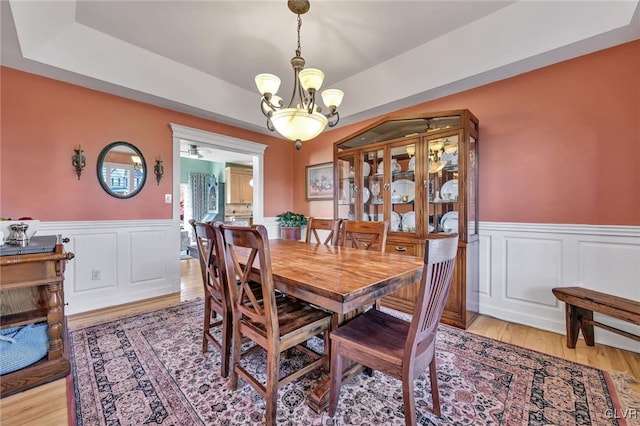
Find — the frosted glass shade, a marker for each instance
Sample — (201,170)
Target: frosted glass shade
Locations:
(311,78)
(332,97)
(298,124)
(267,83)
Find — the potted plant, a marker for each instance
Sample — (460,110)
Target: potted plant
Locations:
(291,225)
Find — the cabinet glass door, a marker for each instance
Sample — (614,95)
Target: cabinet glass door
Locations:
(403,190)
(443,183)
(373,178)
(472,190)
(346,187)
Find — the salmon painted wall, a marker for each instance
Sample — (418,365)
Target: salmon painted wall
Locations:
(44,119)
(557,145)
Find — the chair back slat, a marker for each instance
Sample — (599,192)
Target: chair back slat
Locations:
(316,224)
(207,255)
(437,275)
(364,235)
(236,239)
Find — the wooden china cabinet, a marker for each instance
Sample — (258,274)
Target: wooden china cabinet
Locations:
(421,174)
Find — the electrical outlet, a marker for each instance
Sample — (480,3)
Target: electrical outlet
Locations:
(167,198)
(96,275)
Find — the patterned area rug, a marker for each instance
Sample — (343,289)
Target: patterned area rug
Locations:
(149,369)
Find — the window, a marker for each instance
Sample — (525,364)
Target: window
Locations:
(121,178)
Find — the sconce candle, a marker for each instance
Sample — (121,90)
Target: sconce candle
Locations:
(158,169)
(78,161)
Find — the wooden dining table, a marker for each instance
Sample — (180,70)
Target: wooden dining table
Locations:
(342,280)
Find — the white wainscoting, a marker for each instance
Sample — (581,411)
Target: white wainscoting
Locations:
(117,262)
(273,227)
(520,263)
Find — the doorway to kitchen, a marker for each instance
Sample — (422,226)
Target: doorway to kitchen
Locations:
(220,150)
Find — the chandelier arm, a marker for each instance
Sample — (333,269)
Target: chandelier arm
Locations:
(266,104)
(301,93)
(296,89)
(272,107)
(267,113)
(331,116)
(270,125)
(311,102)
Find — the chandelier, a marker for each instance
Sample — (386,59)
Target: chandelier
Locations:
(302,119)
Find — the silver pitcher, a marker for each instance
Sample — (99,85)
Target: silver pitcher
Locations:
(18,235)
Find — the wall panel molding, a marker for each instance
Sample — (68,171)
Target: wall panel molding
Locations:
(117,262)
(521,262)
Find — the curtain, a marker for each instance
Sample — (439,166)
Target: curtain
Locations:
(199,183)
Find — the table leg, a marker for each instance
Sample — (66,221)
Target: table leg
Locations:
(318,400)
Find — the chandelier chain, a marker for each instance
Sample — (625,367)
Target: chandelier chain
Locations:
(299,49)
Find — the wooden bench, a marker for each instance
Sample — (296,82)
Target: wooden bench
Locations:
(582,302)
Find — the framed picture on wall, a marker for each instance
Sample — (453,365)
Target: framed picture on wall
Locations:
(319,181)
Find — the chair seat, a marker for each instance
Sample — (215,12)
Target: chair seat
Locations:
(293,315)
(378,333)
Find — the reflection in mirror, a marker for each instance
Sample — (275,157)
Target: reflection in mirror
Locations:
(122,170)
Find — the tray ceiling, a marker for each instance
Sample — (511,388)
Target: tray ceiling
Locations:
(200,57)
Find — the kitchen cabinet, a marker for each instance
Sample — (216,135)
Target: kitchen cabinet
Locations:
(238,185)
(32,293)
(421,174)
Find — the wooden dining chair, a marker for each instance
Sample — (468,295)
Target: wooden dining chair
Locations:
(396,347)
(275,324)
(216,297)
(364,234)
(315,224)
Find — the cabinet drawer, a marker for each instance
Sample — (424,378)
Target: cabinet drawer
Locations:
(402,248)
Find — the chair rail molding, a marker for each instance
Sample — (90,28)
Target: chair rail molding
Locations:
(521,262)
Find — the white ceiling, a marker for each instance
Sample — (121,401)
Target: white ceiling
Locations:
(207,153)
(201,57)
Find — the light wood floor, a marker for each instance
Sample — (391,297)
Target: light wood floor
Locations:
(47,404)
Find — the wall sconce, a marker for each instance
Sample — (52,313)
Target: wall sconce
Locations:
(78,161)
(411,150)
(158,169)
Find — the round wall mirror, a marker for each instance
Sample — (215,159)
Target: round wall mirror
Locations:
(122,170)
